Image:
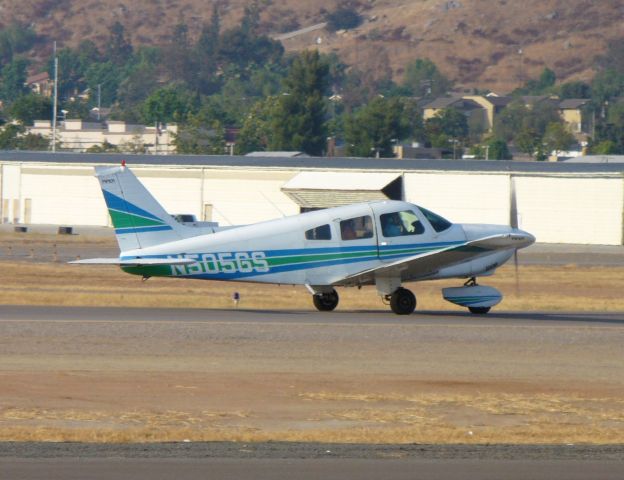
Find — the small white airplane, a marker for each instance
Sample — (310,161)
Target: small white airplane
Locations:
(384,243)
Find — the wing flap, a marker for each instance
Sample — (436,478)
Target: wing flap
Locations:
(134,262)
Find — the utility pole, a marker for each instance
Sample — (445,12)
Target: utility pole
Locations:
(54,109)
(99,100)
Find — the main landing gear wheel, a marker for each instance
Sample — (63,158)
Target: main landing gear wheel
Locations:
(479,310)
(326,301)
(403,302)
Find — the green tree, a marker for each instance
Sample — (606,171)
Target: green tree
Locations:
(105,147)
(205,53)
(374,129)
(13,80)
(168,104)
(509,122)
(423,79)
(256,130)
(448,125)
(13,137)
(497,149)
(344,17)
(70,72)
(610,130)
(179,57)
(557,138)
(299,119)
(606,147)
(544,84)
(14,39)
(607,84)
(135,83)
(529,141)
(199,137)
(105,77)
(251,18)
(613,58)
(119,48)
(575,90)
(28,108)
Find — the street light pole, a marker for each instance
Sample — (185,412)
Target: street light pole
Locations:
(55,106)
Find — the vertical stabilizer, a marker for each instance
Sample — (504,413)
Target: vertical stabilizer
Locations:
(139,220)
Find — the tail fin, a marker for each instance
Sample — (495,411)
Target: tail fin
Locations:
(139,220)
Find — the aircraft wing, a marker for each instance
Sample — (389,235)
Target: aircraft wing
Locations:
(135,262)
(425,264)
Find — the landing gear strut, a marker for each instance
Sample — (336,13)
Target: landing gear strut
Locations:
(325,301)
(402,301)
(472,282)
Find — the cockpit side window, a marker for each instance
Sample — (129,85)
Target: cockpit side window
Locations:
(356,228)
(319,233)
(397,224)
(438,223)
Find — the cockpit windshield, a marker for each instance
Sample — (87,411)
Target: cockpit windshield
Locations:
(438,223)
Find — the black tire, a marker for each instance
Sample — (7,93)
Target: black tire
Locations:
(479,310)
(403,302)
(325,302)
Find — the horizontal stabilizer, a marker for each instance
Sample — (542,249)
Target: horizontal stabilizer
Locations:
(135,262)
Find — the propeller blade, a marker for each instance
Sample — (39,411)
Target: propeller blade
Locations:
(513,206)
(517,273)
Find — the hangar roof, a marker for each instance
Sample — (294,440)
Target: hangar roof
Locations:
(327,189)
(317,163)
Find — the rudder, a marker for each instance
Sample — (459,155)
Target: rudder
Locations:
(139,220)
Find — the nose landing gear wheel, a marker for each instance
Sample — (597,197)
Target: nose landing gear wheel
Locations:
(325,302)
(402,302)
(479,310)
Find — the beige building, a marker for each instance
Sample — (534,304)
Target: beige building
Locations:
(79,136)
(488,107)
(557,202)
(571,112)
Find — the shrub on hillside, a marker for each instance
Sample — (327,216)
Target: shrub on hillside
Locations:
(343,18)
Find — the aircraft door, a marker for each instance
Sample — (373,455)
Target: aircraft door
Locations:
(401,231)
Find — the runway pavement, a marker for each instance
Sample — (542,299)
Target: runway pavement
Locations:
(277,461)
(420,317)
(347,350)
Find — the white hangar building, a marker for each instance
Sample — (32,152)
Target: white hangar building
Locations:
(557,202)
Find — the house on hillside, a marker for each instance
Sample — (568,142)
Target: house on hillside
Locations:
(41,84)
(571,111)
(492,104)
(474,112)
(486,108)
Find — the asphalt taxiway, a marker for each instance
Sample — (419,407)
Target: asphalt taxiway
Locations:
(545,348)
(365,317)
(276,461)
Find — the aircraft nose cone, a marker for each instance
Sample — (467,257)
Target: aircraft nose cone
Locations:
(522,239)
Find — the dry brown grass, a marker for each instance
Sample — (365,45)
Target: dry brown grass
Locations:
(428,418)
(541,288)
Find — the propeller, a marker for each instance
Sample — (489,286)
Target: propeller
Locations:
(513,222)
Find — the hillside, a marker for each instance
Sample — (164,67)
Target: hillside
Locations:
(494,44)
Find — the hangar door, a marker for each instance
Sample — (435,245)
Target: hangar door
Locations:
(316,190)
